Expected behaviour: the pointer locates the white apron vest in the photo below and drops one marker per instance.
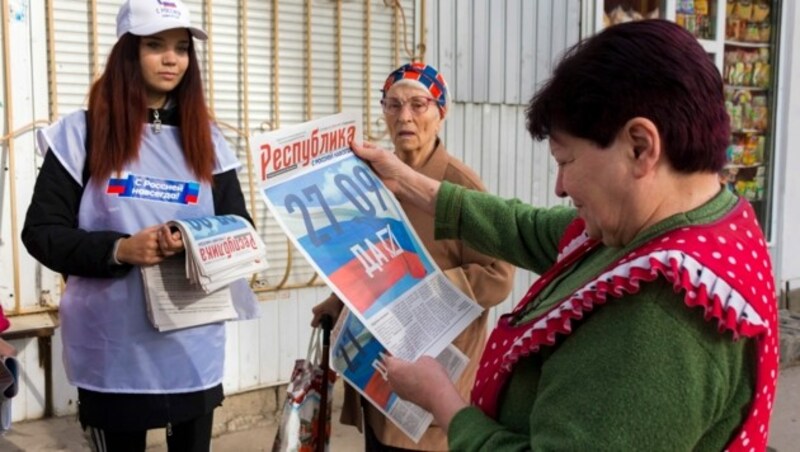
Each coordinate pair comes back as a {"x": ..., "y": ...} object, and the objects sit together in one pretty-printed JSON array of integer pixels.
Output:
[{"x": 109, "y": 344}]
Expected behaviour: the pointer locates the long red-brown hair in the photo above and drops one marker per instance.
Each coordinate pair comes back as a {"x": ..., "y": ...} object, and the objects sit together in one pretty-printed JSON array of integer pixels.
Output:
[{"x": 118, "y": 113}]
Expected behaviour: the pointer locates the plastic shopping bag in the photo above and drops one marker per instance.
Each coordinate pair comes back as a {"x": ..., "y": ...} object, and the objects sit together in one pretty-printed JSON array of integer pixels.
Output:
[{"x": 301, "y": 427}]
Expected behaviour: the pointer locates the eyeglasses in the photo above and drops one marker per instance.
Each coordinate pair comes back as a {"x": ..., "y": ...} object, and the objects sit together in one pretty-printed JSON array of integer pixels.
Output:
[{"x": 418, "y": 104}]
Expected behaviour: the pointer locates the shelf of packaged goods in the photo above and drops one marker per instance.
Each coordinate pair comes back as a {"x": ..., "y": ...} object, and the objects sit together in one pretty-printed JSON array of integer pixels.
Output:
[
  {"x": 748, "y": 132},
  {"x": 746, "y": 88},
  {"x": 741, "y": 166},
  {"x": 750, "y": 194},
  {"x": 750, "y": 197},
  {"x": 750, "y": 45}
]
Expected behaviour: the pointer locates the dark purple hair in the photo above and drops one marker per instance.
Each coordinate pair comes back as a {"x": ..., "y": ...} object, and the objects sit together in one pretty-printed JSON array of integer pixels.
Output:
[{"x": 653, "y": 69}]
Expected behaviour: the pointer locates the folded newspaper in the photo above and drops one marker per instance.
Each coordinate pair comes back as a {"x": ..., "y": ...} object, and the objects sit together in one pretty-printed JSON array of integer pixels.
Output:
[
  {"x": 358, "y": 357},
  {"x": 192, "y": 288}
]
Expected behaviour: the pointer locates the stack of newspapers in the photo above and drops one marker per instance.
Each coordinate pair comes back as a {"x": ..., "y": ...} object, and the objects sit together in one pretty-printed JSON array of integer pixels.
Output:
[{"x": 193, "y": 290}]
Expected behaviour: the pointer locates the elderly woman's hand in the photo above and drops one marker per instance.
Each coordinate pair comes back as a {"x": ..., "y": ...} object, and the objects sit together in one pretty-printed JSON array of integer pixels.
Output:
[
  {"x": 331, "y": 306},
  {"x": 426, "y": 384},
  {"x": 400, "y": 178}
]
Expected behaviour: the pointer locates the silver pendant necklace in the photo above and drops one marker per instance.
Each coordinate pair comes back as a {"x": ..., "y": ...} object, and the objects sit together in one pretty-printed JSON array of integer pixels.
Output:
[{"x": 156, "y": 122}]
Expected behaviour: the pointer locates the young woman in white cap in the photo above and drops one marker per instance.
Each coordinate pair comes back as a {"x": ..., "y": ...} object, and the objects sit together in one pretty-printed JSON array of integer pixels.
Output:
[{"x": 147, "y": 126}]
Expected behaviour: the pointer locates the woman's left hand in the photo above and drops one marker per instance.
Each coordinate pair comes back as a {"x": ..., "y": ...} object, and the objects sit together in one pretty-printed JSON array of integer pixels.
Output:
[
  {"x": 426, "y": 384},
  {"x": 169, "y": 243}
]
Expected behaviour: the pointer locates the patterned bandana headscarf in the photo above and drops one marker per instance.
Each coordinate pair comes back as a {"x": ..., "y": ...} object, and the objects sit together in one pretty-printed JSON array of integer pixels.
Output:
[{"x": 424, "y": 76}]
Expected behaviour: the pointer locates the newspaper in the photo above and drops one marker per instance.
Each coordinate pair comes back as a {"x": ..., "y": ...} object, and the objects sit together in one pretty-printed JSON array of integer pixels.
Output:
[
  {"x": 352, "y": 230},
  {"x": 356, "y": 356},
  {"x": 192, "y": 288},
  {"x": 220, "y": 250}
]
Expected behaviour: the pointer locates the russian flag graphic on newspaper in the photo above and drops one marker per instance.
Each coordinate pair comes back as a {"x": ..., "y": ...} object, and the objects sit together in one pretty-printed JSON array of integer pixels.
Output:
[{"x": 154, "y": 189}]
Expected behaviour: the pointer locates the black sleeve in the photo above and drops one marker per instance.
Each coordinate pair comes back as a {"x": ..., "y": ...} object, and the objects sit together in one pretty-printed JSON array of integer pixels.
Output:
[
  {"x": 228, "y": 197},
  {"x": 51, "y": 232}
]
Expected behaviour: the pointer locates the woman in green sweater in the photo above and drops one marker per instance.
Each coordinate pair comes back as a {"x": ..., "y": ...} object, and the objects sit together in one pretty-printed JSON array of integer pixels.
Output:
[{"x": 653, "y": 324}]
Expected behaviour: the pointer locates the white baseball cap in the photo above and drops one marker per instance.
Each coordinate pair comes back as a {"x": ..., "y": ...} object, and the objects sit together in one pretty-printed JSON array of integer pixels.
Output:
[{"x": 148, "y": 17}]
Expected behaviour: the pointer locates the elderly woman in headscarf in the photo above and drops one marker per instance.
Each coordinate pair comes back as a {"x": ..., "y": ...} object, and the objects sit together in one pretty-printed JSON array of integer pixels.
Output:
[{"x": 415, "y": 101}]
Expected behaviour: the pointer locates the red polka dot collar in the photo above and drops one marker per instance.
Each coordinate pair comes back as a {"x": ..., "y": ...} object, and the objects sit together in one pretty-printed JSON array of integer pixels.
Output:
[{"x": 722, "y": 267}]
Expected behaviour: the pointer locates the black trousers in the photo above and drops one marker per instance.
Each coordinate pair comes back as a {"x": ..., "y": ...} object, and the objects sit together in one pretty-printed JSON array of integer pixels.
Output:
[
  {"x": 193, "y": 435},
  {"x": 119, "y": 421}
]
